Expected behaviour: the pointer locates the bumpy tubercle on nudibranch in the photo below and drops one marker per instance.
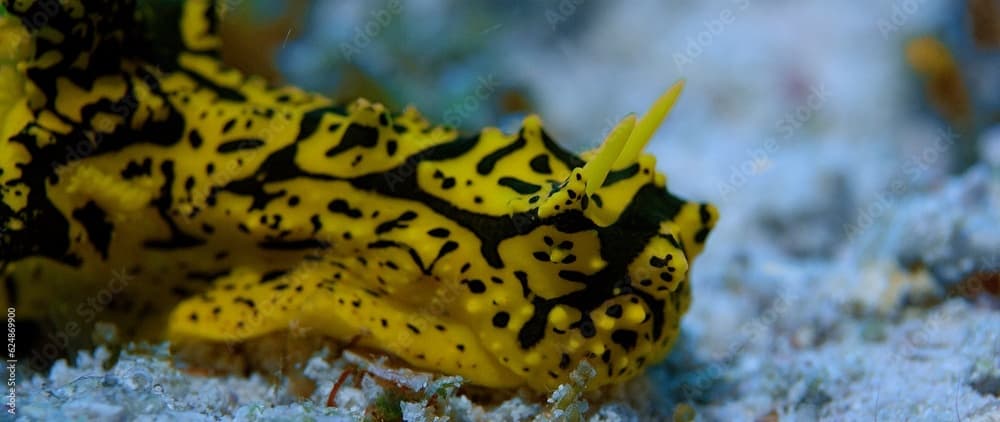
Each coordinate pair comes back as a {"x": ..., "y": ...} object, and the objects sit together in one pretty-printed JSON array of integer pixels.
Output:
[{"x": 235, "y": 210}]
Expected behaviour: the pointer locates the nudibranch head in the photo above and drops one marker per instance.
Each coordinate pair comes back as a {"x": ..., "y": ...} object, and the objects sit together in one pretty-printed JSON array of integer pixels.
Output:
[{"x": 604, "y": 260}]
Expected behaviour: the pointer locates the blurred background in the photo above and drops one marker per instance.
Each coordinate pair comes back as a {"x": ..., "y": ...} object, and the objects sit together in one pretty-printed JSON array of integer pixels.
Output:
[{"x": 852, "y": 147}]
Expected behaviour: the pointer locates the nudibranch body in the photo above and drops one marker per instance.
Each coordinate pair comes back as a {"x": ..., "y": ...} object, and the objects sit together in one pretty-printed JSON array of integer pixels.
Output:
[{"x": 237, "y": 210}]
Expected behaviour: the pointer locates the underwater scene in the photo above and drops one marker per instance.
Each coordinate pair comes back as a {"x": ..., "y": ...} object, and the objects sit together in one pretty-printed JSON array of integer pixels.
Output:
[{"x": 443, "y": 210}]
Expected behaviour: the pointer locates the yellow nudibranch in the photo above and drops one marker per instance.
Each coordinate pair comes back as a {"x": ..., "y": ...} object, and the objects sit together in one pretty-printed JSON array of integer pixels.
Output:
[{"x": 236, "y": 210}]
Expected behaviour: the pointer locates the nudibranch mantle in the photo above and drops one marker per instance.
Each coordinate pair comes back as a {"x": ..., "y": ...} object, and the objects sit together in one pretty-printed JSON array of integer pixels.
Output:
[{"x": 238, "y": 210}]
